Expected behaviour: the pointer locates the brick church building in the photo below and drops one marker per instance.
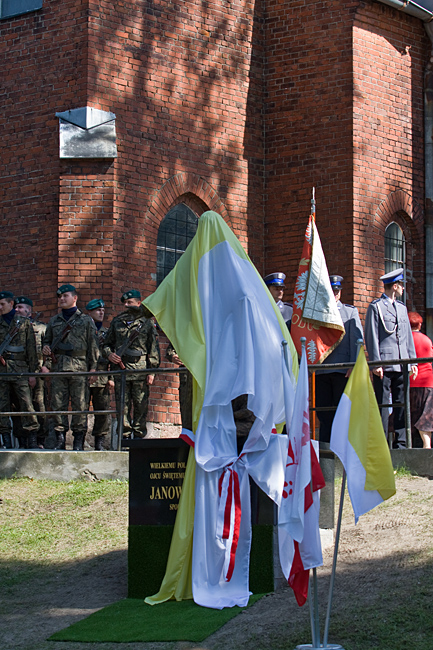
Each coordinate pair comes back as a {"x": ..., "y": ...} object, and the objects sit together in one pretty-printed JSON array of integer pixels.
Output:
[{"x": 121, "y": 123}]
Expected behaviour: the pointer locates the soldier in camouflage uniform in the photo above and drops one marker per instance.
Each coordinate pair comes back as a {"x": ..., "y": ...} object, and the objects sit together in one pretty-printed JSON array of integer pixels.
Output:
[
  {"x": 19, "y": 356},
  {"x": 77, "y": 351},
  {"x": 143, "y": 352},
  {"x": 24, "y": 306},
  {"x": 100, "y": 393}
]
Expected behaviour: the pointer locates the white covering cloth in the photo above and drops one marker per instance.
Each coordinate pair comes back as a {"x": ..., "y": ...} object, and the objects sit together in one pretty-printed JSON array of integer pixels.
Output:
[{"x": 244, "y": 351}]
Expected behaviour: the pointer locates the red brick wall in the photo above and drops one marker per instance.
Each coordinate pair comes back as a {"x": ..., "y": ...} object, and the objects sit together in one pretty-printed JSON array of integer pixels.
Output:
[
  {"x": 390, "y": 51},
  {"x": 86, "y": 230},
  {"x": 308, "y": 126},
  {"x": 344, "y": 113},
  {"x": 189, "y": 126},
  {"x": 237, "y": 106},
  {"x": 43, "y": 58},
  {"x": 177, "y": 77}
]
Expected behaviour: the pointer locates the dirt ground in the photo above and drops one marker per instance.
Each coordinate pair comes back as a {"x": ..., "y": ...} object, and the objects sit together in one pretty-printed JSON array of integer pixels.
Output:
[{"x": 390, "y": 547}]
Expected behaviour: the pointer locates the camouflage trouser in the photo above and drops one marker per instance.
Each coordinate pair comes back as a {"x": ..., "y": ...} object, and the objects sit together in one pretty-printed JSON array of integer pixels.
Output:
[
  {"x": 136, "y": 406},
  {"x": 19, "y": 393},
  {"x": 74, "y": 389},
  {"x": 101, "y": 400},
  {"x": 38, "y": 399}
]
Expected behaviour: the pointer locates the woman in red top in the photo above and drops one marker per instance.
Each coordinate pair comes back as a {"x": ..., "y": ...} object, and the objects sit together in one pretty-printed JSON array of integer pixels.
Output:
[{"x": 421, "y": 388}]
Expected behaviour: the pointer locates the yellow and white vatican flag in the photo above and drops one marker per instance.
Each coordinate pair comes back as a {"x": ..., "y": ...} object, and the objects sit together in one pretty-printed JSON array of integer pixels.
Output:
[
  {"x": 358, "y": 440},
  {"x": 228, "y": 331}
]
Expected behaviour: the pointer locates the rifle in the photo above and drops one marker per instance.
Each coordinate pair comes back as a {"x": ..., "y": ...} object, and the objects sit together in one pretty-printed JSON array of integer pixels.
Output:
[
  {"x": 59, "y": 338},
  {"x": 8, "y": 338},
  {"x": 131, "y": 338}
]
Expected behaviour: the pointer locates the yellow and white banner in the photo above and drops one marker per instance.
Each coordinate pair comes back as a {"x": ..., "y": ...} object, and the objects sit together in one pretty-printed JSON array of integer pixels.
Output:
[{"x": 358, "y": 439}]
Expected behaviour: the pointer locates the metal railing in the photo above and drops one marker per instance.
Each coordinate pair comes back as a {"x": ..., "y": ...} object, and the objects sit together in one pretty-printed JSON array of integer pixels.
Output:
[
  {"x": 385, "y": 363},
  {"x": 6, "y": 377},
  {"x": 123, "y": 374}
]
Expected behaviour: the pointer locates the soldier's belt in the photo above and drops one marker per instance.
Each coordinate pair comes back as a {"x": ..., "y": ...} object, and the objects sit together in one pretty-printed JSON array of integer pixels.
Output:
[
  {"x": 75, "y": 354},
  {"x": 14, "y": 356},
  {"x": 64, "y": 346}
]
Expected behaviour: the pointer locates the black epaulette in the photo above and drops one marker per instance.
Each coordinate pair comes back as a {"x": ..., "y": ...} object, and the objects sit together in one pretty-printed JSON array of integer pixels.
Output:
[{"x": 351, "y": 306}]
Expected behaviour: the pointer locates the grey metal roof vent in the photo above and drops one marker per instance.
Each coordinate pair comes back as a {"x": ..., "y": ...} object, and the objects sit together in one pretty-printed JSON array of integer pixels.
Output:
[{"x": 87, "y": 133}]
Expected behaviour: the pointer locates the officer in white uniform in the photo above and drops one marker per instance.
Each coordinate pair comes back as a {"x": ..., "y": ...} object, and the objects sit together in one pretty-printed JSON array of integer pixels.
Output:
[
  {"x": 330, "y": 384},
  {"x": 388, "y": 335}
]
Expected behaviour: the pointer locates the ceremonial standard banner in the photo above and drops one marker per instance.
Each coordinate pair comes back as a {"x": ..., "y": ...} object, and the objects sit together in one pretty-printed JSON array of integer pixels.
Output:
[{"x": 315, "y": 312}]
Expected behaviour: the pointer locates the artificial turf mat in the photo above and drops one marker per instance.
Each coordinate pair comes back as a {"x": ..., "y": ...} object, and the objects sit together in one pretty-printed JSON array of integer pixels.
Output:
[{"x": 132, "y": 620}]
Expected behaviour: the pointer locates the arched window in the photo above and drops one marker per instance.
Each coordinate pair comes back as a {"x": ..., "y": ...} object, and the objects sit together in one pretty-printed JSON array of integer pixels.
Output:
[
  {"x": 395, "y": 250},
  {"x": 175, "y": 232}
]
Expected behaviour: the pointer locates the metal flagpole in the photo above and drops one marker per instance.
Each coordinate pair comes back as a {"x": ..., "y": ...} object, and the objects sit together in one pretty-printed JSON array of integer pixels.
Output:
[
  {"x": 316, "y": 606},
  {"x": 359, "y": 343},
  {"x": 313, "y": 602},
  {"x": 334, "y": 566},
  {"x": 312, "y": 621}
]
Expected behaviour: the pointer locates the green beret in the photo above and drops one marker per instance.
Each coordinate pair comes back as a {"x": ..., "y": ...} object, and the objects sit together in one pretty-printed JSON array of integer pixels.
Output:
[
  {"x": 7, "y": 295},
  {"x": 133, "y": 293},
  {"x": 94, "y": 304},
  {"x": 23, "y": 300},
  {"x": 65, "y": 288}
]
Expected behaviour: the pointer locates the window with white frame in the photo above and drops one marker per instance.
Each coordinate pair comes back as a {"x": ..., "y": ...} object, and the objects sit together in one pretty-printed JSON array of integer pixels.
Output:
[{"x": 395, "y": 249}]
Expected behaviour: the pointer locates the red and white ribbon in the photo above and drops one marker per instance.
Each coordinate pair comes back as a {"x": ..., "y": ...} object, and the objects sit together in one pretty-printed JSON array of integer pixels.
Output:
[{"x": 229, "y": 516}]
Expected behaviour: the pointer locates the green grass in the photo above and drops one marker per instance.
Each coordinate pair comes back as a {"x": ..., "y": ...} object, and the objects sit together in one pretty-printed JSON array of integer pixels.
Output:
[
  {"x": 54, "y": 521},
  {"x": 53, "y": 534},
  {"x": 378, "y": 628},
  {"x": 404, "y": 472}
]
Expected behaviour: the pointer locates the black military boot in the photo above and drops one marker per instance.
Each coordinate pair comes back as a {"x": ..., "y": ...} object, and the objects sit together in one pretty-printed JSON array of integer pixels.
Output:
[
  {"x": 7, "y": 440},
  {"x": 99, "y": 443},
  {"x": 32, "y": 441},
  {"x": 78, "y": 441},
  {"x": 60, "y": 441}
]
